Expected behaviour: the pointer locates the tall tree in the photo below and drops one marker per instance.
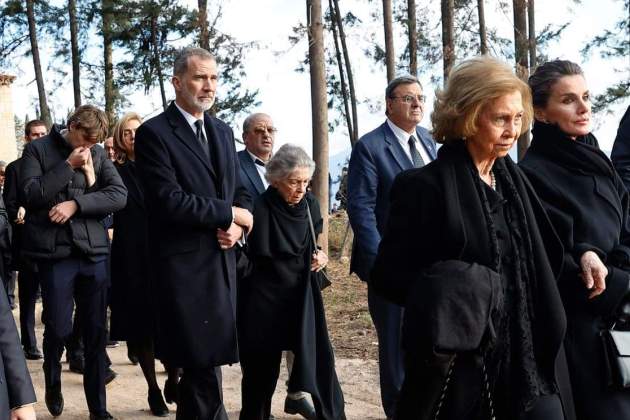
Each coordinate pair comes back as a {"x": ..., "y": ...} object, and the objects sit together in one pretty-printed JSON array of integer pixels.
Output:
[
  {"x": 353, "y": 128},
  {"x": 531, "y": 20},
  {"x": 448, "y": 42},
  {"x": 204, "y": 34},
  {"x": 390, "y": 56},
  {"x": 319, "y": 109},
  {"x": 613, "y": 43},
  {"x": 76, "y": 57},
  {"x": 39, "y": 78},
  {"x": 521, "y": 52},
  {"x": 107, "y": 16},
  {"x": 413, "y": 37},
  {"x": 483, "y": 36},
  {"x": 147, "y": 32}
]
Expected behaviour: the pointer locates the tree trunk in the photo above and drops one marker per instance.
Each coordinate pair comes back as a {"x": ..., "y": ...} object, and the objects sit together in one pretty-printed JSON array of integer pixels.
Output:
[
  {"x": 39, "y": 78},
  {"x": 204, "y": 36},
  {"x": 389, "y": 40},
  {"x": 110, "y": 93},
  {"x": 76, "y": 58},
  {"x": 156, "y": 58},
  {"x": 448, "y": 48},
  {"x": 354, "y": 135},
  {"x": 532, "y": 35},
  {"x": 319, "y": 105},
  {"x": 342, "y": 74},
  {"x": 413, "y": 37},
  {"x": 521, "y": 52},
  {"x": 483, "y": 37}
]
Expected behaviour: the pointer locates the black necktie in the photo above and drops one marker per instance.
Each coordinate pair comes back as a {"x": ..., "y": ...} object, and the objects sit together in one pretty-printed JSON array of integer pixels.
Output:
[
  {"x": 201, "y": 138},
  {"x": 415, "y": 155},
  {"x": 259, "y": 162}
]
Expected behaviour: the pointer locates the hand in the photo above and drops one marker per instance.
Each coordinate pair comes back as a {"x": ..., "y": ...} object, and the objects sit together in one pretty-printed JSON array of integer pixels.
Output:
[
  {"x": 319, "y": 260},
  {"x": 594, "y": 273},
  {"x": 227, "y": 238},
  {"x": 243, "y": 218},
  {"x": 78, "y": 157},
  {"x": 88, "y": 170},
  {"x": 24, "y": 413},
  {"x": 62, "y": 212},
  {"x": 21, "y": 213}
]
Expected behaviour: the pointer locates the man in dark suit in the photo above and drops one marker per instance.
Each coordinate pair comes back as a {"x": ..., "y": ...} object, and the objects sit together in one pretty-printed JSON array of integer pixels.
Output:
[
  {"x": 68, "y": 187},
  {"x": 27, "y": 278},
  {"x": 258, "y": 136},
  {"x": 396, "y": 145},
  {"x": 197, "y": 211}
]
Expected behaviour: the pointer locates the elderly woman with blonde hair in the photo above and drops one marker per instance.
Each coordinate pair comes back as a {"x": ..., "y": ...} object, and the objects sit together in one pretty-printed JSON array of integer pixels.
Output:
[
  {"x": 469, "y": 252},
  {"x": 280, "y": 303}
]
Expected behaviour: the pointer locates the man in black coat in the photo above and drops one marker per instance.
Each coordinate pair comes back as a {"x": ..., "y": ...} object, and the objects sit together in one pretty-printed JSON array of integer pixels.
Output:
[
  {"x": 27, "y": 278},
  {"x": 68, "y": 187},
  {"x": 197, "y": 211}
]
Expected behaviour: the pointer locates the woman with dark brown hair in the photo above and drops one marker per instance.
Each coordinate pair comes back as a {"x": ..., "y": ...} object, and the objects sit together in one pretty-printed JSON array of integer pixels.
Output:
[{"x": 588, "y": 206}]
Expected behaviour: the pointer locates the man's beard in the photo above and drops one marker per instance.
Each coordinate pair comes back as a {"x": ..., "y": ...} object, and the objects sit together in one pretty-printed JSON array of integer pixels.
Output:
[{"x": 193, "y": 101}]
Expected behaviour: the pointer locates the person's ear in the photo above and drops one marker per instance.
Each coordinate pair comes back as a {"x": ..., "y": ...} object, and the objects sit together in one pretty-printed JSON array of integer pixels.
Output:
[
  {"x": 177, "y": 84},
  {"x": 541, "y": 115}
]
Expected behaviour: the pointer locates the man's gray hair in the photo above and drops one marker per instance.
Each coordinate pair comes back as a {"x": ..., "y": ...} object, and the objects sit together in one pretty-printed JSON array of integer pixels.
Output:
[
  {"x": 405, "y": 79},
  {"x": 286, "y": 160},
  {"x": 250, "y": 120},
  {"x": 180, "y": 66}
]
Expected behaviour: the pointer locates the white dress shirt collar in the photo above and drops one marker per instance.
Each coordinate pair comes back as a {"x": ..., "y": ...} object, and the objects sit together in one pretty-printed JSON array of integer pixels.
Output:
[
  {"x": 403, "y": 138},
  {"x": 191, "y": 120}
]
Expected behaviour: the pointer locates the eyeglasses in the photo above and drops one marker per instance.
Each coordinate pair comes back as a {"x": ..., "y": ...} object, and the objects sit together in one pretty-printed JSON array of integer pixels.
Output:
[
  {"x": 410, "y": 98},
  {"x": 263, "y": 130}
]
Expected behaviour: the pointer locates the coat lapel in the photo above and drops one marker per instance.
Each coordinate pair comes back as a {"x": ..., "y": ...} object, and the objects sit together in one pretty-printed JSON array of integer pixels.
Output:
[
  {"x": 396, "y": 149},
  {"x": 184, "y": 133},
  {"x": 249, "y": 167},
  {"x": 218, "y": 154}
]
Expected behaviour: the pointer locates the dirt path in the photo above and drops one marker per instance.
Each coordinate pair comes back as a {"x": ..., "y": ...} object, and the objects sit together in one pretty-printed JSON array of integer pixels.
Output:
[{"x": 127, "y": 395}]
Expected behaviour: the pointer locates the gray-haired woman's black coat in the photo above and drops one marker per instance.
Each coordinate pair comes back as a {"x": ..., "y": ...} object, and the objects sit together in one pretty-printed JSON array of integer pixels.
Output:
[
  {"x": 436, "y": 216},
  {"x": 588, "y": 207}
]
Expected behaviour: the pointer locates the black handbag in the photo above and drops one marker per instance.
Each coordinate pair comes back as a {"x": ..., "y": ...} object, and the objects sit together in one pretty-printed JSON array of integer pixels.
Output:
[
  {"x": 616, "y": 344},
  {"x": 322, "y": 278}
]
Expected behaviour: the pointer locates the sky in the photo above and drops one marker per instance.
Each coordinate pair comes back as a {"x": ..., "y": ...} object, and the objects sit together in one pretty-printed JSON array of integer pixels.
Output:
[{"x": 285, "y": 93}]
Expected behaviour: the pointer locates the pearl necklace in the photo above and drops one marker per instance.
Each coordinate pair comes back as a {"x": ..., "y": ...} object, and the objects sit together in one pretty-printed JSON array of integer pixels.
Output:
[{"x": 493, "y": 181}]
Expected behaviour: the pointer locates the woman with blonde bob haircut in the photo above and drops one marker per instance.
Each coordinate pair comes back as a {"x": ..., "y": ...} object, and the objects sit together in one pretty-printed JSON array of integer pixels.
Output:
[
  {"x": 469, "y": 253},
  {"x": 133, "y": 311}
]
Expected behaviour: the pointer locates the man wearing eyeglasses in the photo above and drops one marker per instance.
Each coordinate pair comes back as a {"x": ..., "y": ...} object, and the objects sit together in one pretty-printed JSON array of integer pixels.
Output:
[
  {"x": 258, "y": 136},
  {"x": 396, "y": 145}
]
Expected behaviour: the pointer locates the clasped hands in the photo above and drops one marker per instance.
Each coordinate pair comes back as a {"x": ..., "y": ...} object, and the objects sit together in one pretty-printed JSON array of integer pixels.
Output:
[{"x": 243, "y": 222}]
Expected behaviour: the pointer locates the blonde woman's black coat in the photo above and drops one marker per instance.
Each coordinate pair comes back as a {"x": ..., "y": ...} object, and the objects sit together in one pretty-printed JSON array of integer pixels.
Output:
[{"x": 435, "y": 217}]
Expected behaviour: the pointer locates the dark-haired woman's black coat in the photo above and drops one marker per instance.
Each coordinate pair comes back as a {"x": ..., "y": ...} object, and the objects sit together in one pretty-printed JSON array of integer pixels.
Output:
[
  {"x": 131, "y": 292},
  {"x": 588, "y": 207},
  {"x": 435, "y": 217}
]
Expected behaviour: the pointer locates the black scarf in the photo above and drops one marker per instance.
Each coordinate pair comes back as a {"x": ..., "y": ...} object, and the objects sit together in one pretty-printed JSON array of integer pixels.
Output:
[
  {"x": 526, "y": 380},
  {"x": 581, "y": 155},
  {"x": 281, "y": 229}
]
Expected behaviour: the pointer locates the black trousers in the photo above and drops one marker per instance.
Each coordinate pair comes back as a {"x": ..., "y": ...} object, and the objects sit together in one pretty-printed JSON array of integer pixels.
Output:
[
  {"x": 28, "y": 283},
  {"x": 260, "y": 375},
  {"x": 62, "y": 281},
  {"x": 200, "y": 395},
  {"x": 387, "y": 318}
]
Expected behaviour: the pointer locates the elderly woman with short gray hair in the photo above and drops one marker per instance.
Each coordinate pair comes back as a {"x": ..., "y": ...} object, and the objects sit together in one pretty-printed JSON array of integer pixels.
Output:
[{"x": 280, "y": 303}]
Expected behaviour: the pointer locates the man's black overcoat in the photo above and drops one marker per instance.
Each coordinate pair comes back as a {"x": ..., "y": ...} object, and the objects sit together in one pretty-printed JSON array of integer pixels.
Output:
[{"x": 188, "y": 197}]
